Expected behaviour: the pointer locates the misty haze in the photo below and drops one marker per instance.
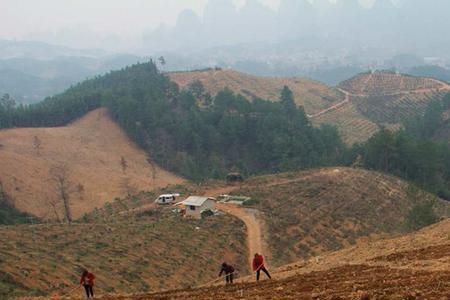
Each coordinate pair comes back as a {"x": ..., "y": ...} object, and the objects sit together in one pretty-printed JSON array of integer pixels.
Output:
[{"x": 224, "y": 149}]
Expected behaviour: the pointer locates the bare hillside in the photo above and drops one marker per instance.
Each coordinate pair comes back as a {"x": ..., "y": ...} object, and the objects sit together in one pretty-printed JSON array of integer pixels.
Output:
[
  {"x": 312, "y": 95},
  {"x": 93, "y": 155},
  {"x": 314, "y": 212},
  {"x": 414, "y": 266},
  {"x": 151, "y": 252}
]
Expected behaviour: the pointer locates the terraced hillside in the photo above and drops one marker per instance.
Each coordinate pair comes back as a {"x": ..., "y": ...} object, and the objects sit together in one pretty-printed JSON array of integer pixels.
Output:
[
  {"x": 414, "y": 266},
  {"x": 312, "y": 95},
  {"x": 314, "y": 212},
  {"x": 358, "y": 106},
  {"x": 151, "y": 252},
  {"x": 381, "y": 99},
  {"x": 93, "y": 156},
  {"x": 389, "y": 98}
]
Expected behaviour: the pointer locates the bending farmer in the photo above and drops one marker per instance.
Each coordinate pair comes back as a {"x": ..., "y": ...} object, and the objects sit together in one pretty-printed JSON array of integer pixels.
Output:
[{"x": 228, "y": 270}]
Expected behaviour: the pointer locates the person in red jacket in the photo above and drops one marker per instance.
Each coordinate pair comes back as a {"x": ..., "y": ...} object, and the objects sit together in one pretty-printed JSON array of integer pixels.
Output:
[
  {"x": 258, "y": 266},
  {"x": 87, "y": 280}
]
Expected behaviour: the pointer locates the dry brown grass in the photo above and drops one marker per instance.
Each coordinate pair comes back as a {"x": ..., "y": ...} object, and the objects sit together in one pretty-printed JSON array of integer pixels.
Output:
[
  {"x": 414, "y": 266},
  {"x": 91, "y": 148},
  {"x": 312, "y": 95},
  {"x": 314, "y": 212},
  {"x": 154, "y": 252}
]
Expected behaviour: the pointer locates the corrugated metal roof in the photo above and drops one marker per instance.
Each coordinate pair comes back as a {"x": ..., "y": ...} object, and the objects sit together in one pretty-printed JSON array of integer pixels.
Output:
[{"x": 195, "y": 200}]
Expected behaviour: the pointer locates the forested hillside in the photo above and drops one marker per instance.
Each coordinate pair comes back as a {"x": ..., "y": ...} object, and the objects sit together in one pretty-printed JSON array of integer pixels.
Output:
[
  {"x": 188, "y": 132},
  {"x": 420, "y": 152},
  {"x": 201, "y": 136}
]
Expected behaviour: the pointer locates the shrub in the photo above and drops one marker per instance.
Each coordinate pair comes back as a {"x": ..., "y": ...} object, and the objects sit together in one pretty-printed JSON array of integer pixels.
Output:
[{"x": 421, "y": 215}]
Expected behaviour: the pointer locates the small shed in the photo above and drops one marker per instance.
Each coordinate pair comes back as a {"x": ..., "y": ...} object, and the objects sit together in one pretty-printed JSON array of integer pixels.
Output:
[
  {"x": 195, "y": 205},
  {"x": 166, "y": 198},
  {"x": 234, "y": 178}
]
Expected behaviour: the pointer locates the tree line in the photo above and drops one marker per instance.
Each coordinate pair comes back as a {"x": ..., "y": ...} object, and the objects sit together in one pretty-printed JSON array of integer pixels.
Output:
[
  {"x": 190, "y": 132},
  {"x": 201, "y": 136}
]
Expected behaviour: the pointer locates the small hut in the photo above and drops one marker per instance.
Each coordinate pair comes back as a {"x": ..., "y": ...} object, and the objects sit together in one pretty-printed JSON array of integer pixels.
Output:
[{"x": 195, "y": 205}]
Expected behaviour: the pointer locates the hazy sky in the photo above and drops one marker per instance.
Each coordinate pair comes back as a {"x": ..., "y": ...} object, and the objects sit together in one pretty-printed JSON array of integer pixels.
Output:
[{"x": 26, "y": 18}]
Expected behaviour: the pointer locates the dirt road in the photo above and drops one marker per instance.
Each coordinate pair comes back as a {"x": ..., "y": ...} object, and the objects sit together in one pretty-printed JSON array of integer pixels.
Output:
[
  {"x": 253, "y": 221},
  {"x": 333, "y": 107}
]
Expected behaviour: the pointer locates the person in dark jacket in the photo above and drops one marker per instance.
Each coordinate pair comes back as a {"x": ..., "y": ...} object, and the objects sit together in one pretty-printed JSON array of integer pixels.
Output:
[
  {"x": 87, "y": 280},
  {"x": 258, "y": 266},
  {"x": 229, "y": 271}
]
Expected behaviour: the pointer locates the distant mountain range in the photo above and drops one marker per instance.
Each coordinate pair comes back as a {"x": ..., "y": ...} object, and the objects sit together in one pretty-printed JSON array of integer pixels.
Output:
[
  {"x": 31, "y": 71},
  {"x": 415, "y": 24}
]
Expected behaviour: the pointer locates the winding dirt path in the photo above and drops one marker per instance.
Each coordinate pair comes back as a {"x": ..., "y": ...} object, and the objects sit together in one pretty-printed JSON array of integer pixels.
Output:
[
  {"x": 253, "y": 221},
  {"x": 251, "y": 217},
  {"x": 333, "y": 107}
]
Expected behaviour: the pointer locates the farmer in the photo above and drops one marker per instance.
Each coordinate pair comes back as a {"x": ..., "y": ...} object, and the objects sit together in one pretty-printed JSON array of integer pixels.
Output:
[
  {"x": 258, "y": 266},
  {"x": 87, "y": 280},
  {"x": 228, "y": 270}
]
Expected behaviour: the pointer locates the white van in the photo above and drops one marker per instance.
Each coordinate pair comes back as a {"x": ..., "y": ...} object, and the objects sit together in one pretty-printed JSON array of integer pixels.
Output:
[{"x": 166, "y": 198}]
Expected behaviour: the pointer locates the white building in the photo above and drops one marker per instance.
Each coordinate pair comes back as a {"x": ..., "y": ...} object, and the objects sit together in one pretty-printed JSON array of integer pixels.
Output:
[
  {"x": 195, "y": 205},
  {"x": 166, "y": 198}
]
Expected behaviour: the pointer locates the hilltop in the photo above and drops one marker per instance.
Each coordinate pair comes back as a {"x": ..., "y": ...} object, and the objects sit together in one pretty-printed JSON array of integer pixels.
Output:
[
  {"x": 99, "y": 161},
  {"x": 312, "y": 95},
  {"x": 382, "y": 99},
  {"x": 358, "y": 106}
]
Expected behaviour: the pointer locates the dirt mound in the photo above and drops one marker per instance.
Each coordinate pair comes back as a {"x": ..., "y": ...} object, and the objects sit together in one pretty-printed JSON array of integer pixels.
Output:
[
  {"x": 312, "y": 95},
  {"x": 94, "y": 155}
]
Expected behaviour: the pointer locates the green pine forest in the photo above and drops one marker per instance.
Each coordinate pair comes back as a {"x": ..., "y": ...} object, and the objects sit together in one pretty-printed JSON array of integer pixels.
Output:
[{"x": 200, "y": 137}]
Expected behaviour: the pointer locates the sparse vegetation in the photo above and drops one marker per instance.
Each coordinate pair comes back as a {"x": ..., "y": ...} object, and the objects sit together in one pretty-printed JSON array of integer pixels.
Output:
[
  {"x": 152, "y": 252},
  {"x": 313, "y": 212}
]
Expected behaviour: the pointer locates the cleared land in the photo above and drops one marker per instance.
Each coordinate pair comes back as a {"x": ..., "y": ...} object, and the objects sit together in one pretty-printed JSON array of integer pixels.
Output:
[
  {"x": 101, "y": 164},
  {"x": 305, "y": 215},
  {"x": 151, "y": 252},
  {"x": 315, "y": 212},
  {"x": 410, "y": 267}
]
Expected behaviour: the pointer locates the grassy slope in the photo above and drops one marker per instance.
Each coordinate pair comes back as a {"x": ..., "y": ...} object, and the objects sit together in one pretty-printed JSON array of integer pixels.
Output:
[
  {"x": 313, "y": 212},
  {"x": 150, "y": 253},
  {"x": 91, "y": 148}
]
